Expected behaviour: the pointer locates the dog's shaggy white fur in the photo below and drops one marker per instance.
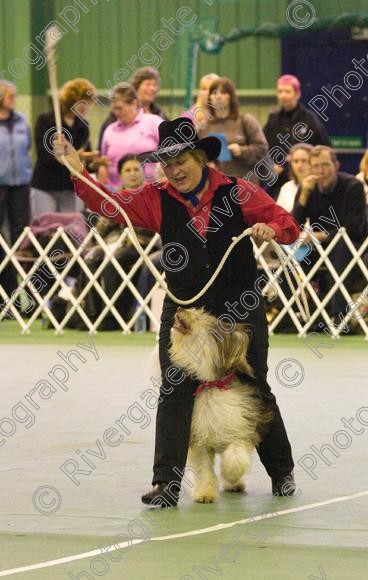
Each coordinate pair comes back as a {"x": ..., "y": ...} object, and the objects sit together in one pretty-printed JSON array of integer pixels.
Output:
[{"x": 224, "y": 421}]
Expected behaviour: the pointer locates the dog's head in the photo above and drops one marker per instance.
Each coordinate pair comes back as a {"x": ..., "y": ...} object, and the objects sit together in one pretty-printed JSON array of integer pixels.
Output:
[{"x": 206, "y": 347}]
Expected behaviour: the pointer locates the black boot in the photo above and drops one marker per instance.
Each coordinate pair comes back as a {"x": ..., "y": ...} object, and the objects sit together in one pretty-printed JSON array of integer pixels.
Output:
[
  {"x": 283, "y": 486},
  {"x": 161, "y": 496}
]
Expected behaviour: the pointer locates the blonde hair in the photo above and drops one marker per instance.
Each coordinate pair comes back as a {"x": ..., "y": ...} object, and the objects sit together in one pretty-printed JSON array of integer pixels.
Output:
[
  {"x": 4, "y": 84},
  {"x": 208, "y": 77},
  {"x": 297, "y": 147},
  {"x": 74, "y": 91},
  {"x": 364, "y": 163},
  {"x": 199, "y": 155}
]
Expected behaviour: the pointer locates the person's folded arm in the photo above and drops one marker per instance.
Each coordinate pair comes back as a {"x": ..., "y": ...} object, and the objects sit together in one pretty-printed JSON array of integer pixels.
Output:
[{"x": 302, "y": 202}]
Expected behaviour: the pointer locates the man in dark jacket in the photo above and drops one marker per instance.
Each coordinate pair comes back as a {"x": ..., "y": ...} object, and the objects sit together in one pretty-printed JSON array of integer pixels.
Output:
[
  {"x": 332, "y": 200},
  {"x": 292, "y": 124}
]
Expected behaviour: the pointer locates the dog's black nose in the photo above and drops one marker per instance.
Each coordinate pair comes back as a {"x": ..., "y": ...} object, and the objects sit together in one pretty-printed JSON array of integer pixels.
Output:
[{"x": 180, "y": 309}]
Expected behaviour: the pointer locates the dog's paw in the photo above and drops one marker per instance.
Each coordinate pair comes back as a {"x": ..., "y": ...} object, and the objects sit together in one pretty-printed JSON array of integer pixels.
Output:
[
  {"x": 205, "y": 497},
  {"x": 234, "y": 488}
]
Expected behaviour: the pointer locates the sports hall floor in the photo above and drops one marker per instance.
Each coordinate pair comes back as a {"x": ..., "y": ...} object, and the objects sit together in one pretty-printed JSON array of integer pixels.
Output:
[{"x": 322, "y": 533}]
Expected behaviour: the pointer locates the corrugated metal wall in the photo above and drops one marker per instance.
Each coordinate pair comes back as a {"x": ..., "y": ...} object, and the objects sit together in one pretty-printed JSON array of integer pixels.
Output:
[
  {"x": 114, "y": 31},
  {"x": 101, "y": 37},
  {"x": 14, "y": 36}
]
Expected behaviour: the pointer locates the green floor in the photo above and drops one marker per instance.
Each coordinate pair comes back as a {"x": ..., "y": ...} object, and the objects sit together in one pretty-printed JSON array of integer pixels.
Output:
[
  {"x": 184, "y": 558},
  {"x": 10, "y": 333},
  {"x": 328, "y": 541}
]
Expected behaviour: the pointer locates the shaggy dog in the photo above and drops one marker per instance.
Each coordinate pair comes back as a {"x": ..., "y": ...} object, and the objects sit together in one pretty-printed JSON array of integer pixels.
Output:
[{"x": 227, "y": 413}]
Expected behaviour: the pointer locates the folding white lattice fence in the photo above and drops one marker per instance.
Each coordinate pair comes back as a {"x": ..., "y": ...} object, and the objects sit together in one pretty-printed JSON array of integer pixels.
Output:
[{"x": 26, "y": 304}]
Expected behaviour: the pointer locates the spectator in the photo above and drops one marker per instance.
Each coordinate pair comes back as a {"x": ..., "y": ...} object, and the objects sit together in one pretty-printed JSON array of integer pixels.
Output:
[
  {"x": 339, "y": 197},
  {"x": 245, "y": 139},
  {"x": 198, "y": 112},
  {"x": 133, "y": 132},
  {"x": 15, "y": 163},
  {"x": 283, "y": 121},
  {"x": 363, "y": 174},
  {"x": 51, "y": 190},
  {"x": 299, "y": 169},
  {"x": 15, "y": 173},
  {"x": 146, "y": 82}
]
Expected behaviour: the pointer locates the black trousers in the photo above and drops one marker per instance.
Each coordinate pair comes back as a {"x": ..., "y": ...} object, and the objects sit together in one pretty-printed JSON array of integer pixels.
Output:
[
  {"x": 14, "y": 203},
  {"x": 174, "y": 412}
]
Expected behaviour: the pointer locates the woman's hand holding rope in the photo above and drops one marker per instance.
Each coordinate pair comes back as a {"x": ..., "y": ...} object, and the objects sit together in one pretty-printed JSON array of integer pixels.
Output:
[{"x": 63, "y": 150}]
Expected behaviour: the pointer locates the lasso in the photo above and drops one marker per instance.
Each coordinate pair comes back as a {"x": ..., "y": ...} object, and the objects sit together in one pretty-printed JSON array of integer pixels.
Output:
[{"x": 50, "y": 53}]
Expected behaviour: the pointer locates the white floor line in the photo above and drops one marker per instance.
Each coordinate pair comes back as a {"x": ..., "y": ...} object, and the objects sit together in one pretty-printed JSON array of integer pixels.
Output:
[{"x": 216, "y": 528}]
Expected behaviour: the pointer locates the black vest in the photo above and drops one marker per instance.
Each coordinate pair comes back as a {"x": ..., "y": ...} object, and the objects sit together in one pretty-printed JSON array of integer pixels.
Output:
[{"x": 192, "y": 260}]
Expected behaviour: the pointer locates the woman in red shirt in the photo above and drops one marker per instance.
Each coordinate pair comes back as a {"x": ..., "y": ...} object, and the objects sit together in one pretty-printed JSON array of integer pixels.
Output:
[{"x": 197, "y": 212}]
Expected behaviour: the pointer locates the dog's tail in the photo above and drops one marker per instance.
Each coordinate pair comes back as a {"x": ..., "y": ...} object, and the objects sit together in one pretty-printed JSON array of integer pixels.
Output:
[{"x": 235, "y": 462}]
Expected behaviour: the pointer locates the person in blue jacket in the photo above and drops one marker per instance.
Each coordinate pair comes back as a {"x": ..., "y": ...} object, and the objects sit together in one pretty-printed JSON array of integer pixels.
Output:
[
  {"x": 15, "y": 171},
  {"x": 15, "y": 162}
]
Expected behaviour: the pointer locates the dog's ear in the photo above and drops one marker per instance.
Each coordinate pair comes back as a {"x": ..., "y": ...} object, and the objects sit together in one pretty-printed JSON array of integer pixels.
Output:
[{"x": 235, "y": 352}]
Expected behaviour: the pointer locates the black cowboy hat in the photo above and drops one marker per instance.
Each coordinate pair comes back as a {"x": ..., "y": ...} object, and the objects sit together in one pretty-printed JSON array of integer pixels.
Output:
[{"x": 178, "y": 136}]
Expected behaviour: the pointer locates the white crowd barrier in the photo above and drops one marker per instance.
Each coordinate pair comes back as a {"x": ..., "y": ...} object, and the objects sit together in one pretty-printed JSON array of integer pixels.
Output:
[{"x": 26, "y": 304}]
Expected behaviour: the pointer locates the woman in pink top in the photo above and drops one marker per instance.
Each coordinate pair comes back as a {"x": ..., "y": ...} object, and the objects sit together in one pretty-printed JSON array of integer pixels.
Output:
[{"x": 134, "y": 132}]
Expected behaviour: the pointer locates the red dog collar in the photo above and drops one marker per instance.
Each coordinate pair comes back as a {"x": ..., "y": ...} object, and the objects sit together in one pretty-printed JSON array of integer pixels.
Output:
[{"x": 218, "y": 384}]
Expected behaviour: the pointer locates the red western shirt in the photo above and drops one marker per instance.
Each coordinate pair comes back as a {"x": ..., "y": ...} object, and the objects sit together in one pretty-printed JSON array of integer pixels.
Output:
[{"x": 144, "y": 207}]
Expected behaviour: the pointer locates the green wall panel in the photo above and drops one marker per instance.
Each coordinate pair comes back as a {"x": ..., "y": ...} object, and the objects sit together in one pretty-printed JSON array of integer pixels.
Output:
[
  {"x": 106, "y": 34},
  {"x": 15, "y": 35},
  {"x": 334, "y": 7},
  {"x": 111, "y": 33}
]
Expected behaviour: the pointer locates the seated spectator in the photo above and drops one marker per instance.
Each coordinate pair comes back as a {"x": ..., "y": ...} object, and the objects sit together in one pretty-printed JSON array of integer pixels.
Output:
[
  {"x": 125, "y": 253},
  {"x": 331, "y": 200},
  {"x": 15, "y": 174},
  {"x": 146, "y": 82},
  {"x": 299, "y": 169},
  {"x": 134, "y": 132},
  {"x": 244, "y": 136},
  {"x": 198, "y": 112},
  {"x": 282, "y": 122},
  {"x": 363, "y": 174},
  {"x": 51, "y": 187}
]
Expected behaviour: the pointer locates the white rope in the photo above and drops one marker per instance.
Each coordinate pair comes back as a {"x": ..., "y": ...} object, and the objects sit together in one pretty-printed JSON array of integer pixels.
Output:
[
  {"x": 146, "y": 259},
  {"x": 50, "y": 53}
]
